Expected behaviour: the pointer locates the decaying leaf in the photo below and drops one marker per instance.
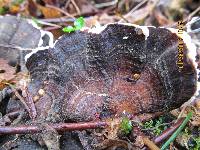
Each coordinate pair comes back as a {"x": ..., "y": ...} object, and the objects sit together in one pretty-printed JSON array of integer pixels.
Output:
[
  {"x": 7, "y": 72},
  {"x": 49, "y": 12}
]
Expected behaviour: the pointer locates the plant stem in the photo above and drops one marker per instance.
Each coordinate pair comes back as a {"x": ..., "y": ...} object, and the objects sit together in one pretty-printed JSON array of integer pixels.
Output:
[{"x": 172, "y": 138}]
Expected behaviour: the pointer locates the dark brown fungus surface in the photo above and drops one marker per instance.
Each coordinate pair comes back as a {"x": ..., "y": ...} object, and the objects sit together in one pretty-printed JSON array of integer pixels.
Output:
[{"x": 87, "y": 73}]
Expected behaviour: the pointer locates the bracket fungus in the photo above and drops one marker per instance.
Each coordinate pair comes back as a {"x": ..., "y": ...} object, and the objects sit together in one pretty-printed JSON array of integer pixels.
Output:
[{"x": 111, "y": 70}]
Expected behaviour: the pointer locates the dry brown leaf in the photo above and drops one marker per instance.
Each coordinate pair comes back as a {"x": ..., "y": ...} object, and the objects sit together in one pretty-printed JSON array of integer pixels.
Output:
[
  {"x": 162, "y": 20},
  {"x": 51, "y": 2},
  {"x": 113, "y": 128},
  {"x": 6, "y": 71},
  {"x": 49, "y": 12},
  {"x": 4, "y": 3},
  {"x": 14, "y": 9}
]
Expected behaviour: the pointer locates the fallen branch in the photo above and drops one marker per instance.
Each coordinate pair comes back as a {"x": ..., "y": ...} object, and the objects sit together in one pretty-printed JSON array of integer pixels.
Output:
[{"x": 60, "y": 127}]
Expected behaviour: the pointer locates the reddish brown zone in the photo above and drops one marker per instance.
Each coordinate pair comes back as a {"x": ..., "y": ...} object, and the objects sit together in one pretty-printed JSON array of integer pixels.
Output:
[{"x": 131, "y": 97}]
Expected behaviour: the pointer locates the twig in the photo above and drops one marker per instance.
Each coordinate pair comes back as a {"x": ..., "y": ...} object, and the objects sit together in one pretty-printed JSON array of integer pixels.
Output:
[
  {"x": 60, "y": 10},
  {"x": 31, "y": 106},
  {"x": 67, "y": 3},
  {"x": 111, "y": 3},
  {"x": 60, "y": 127},
  {"x": 48, "y": 24},
  {"x": 10, "y": 118},
  {"x": 182, "y": 111},
  {"x": 13, "y": 115},
  {"x": 32, "y": 110},
  {"x": 56, "y": 20},
  {"x": 168, "y": 132},
  {"x": 51, "y": 28},
  {"x": 136, "y": 7},
  {"x": 68, "y": 19},
  {"x": 193, "y": 13},
  {"x": 150, "y": 144},
  {"x": 76, "y": 7}
]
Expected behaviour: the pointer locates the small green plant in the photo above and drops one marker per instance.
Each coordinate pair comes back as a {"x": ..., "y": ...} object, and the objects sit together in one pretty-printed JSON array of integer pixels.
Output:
[
  {"x": 156, "y": 126},
  {"x": 193, "y": 142},
  {"x": 197, "y": 143},
  {"x": 78, "y": 24},
  {"x": 126, "y": 125}
]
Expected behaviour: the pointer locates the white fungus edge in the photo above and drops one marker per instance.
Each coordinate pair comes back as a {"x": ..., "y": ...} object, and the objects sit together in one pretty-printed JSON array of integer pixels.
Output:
[
  {"x": 191, "y": 54},
  {"x": 42, "y": 33},
  {"x": 99, "y": 29}
]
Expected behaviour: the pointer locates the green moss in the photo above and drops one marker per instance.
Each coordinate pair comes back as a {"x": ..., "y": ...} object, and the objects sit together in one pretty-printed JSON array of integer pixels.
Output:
[
  {"x": 156, "y": 126},
  {"x": 126, "y": 125}
]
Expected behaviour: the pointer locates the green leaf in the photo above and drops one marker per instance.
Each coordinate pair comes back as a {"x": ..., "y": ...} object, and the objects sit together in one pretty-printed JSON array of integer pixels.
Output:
[
  {"x": 79, "y": 23},
  {"x": 68, "y": 29},
  {"x": 126, "y": 125}
]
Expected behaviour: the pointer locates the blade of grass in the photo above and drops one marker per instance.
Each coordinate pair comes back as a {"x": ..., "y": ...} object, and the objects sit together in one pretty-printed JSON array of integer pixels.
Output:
[{"x": 172, "y": 138}]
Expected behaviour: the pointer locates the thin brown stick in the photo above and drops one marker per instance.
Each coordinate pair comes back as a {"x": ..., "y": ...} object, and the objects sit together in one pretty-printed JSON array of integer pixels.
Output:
[
  {"x": 51, "y": 28},
  {"x": 48, "y": 24},
  {"x": 168, "y": 132},
  {"x": 106, "y": 4},
  {"x": 136, "y": 7},
  {"x": 67, "y": 18},
  {"x": 30, "y": 104},
  {"x": 60, "y": 127},
  {"x": 193, "y": 13},
  {"x": 58, "y": 20},
  {"x": 67, "y": 4},
  {"x": 76, "y": 7},
  {"x": 150, "y": 144},
  {"x": 60, "y": 10}
]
